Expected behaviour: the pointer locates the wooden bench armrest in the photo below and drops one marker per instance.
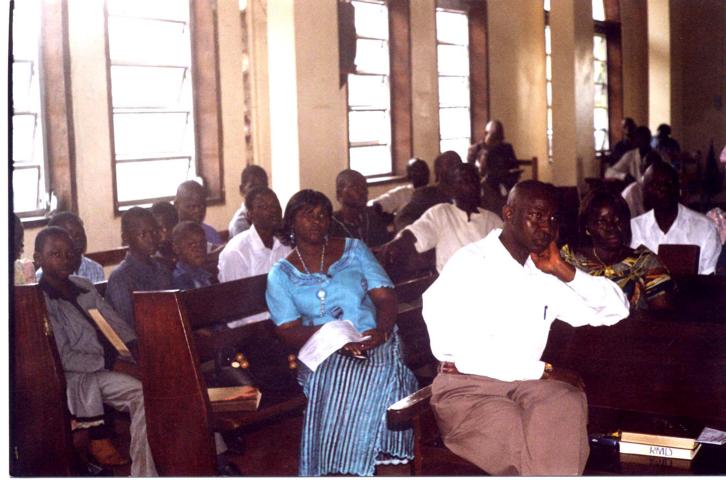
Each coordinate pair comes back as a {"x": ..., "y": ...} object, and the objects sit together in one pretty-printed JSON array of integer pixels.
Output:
[{"x": 401, "y": 413}]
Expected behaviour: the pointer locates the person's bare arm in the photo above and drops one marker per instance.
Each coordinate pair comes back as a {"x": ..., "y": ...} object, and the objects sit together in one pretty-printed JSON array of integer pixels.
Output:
[
  {"x": 397, "y": 250},
  {"x": 386, "y": 311}
]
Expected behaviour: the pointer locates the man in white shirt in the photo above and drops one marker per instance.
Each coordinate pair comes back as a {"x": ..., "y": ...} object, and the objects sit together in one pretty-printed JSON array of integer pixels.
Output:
[
  {"x": 633, "y": 193},
  {"x": 631, "y": 165},
  {"x": 445, "y": 227},
  {"x": 488, "y": 316},
  {"x": 255, "y": 250},
  {"x": 417, "y": 173},
  {"x": 672, "y": 223}
]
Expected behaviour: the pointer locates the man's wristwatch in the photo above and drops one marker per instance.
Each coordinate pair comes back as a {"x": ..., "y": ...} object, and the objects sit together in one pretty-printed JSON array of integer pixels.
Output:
[{"x": 547, "y": 370}]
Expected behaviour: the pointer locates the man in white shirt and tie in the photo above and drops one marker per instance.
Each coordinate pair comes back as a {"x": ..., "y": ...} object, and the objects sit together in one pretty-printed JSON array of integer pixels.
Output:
[{"x": 488, "y": 316}]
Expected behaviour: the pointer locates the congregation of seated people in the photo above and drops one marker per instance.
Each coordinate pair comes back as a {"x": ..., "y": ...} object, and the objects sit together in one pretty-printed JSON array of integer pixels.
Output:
[{"x": 327, "y": 265}]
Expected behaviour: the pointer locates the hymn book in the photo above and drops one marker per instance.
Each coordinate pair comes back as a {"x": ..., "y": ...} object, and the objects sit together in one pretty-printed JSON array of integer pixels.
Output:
[
  {"x": 110, "y": 334},
  {"x": 659, "y": 440},
  {"x": 235, "y": 399},
  {"x": 658, "y": 450}
]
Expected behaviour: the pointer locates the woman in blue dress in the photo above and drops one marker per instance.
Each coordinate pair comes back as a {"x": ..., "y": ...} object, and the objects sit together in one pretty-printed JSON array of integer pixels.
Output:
[{"x": 325, "y": 279}]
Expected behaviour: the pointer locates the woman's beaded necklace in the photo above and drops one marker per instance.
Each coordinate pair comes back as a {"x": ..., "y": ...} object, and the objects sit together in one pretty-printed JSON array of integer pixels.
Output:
[
  {"x": 322, "y": 259},
  {"x": 321, "y": 294}
]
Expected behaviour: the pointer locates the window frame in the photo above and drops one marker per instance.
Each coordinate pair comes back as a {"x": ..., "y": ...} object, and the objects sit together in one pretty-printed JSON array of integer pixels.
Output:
[
  {"x": 476, "y": 11},
  {"x": 611, "y": 29},
  {"x": 465, "y": 12},
  {"x": 390, "y": 109},
  {"x": 206, "y": 107},
  {"x": 56, "y": 113}
]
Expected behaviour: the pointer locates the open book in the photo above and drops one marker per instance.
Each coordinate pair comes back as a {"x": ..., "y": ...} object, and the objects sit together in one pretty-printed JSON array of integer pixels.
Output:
[{"x": 234, "y": 399}]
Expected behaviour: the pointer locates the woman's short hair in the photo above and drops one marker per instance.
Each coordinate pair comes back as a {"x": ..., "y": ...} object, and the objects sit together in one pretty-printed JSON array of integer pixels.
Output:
[
  {"x": 598, "y": 199},
  {"x": 302, "y": 200}
]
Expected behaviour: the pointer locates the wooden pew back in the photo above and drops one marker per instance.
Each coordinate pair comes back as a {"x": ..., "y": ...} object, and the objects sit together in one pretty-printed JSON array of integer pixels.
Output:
[
  {"x": 40, "y": 442},
  {"x": 174, "y": 334},
  {"x": 175, "y": 395}
]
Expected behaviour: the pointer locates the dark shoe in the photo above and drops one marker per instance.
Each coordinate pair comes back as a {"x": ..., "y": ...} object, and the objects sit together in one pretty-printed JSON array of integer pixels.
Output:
[
  {"x": 235, "y": 442},
  {"x": 226, "y": 468}
]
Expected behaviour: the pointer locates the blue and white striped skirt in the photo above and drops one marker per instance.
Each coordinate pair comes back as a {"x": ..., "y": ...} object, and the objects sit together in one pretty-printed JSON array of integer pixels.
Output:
[{"x": 344, "y": 429}]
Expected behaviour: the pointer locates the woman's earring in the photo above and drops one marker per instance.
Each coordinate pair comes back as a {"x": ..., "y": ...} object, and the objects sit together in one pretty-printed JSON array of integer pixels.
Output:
[
  {"x": 587, "y": 232},
  {"x": 292, "y": 237}
]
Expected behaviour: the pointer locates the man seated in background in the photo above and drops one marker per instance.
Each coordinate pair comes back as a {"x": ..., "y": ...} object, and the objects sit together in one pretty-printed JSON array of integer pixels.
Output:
[
  {"x": 664, "y": 144},
  {"x": 497, "y": 165},
  {"x": 140, "y": 271},
  {"x": 72, "y": 223},
  {"x": 426, "y": 197},
  {"x": 488, "y": 316},
  {"x": 672, "y": 223},
  {"x": 88, "y": 357},
  {"x": 253, "y": 176},
  {"x": 633, "y": 193},
  {"x": 167, "y": 218},
  {"x": 626, "y": 143},
  {"x": 190, "y": 249},
  {"x": 191, "y": 205},
  {"x": 355, "y": 219},
  {"x": 391, "y": 202},
  {"x": 254, "y": 251},
  {"x": 631, "y": 165},
  {"x": 445, "y": 227}
]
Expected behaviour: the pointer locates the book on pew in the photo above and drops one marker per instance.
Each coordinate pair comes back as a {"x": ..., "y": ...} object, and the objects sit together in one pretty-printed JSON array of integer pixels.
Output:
[
  {"x": 659, "y": 440},
  {"x": 650, "y": 461},
  {"x": 110, "y": 334},
  {"x": 658, "y": 450},
  {"x": 235, "y": 399}
]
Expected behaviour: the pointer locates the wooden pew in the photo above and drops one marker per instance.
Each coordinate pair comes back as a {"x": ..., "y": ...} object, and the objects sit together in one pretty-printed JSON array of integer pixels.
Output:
[
  {"x": 649, "y": 370},
  {"x": 180, "y": 419},
  {"x": 174, "y": 334},
  {"x": 40, "y": 435}
]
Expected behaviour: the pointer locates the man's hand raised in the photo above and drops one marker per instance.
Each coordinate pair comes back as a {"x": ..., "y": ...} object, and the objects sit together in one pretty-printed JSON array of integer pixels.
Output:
[{"x": 550, "y": 261}]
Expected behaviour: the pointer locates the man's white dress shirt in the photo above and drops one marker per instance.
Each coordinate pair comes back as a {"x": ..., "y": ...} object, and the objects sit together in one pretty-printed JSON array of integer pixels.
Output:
[
  {"x": 629, "y": 163},
  {"x": 395, "y": 199},
  {"x": 633, "y": 195},
  {"x": 689, "y": 228},
  {"x": 491, "y": 316},
  {"x": 446, "y": 228},
  {"x": 246, "y": 256}
]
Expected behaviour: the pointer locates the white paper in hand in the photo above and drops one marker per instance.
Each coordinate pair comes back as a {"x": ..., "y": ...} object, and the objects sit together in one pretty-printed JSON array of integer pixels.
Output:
[{"x": 328, "y": 340}]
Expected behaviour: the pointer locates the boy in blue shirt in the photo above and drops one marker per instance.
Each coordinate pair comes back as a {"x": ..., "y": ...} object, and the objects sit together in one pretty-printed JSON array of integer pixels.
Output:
[
  {"x": 140, "y": 271},
  {"x": 190, "y": 248}
]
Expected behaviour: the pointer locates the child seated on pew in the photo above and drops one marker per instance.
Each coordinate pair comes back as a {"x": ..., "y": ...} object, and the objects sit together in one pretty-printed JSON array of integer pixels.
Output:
[
  {"x": 72, "y": 223},
  {"x": 167, "y": 218},
  {"x": 140, "y": 271},
  {"x": 88, "y": 358},
  {"x": 190, "y": 247}
]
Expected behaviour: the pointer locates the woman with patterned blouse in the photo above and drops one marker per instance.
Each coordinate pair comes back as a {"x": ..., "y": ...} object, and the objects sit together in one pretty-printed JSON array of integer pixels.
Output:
[{"x": 603, "y": 250}]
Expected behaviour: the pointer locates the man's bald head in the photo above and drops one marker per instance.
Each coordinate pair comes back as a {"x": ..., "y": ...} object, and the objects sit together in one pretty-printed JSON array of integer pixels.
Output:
[
  {"x": 191, "y": 201},
  {"x": 531, "y": 189},
  {"x": 530, "y": 216},
  {"x": 445, "y": 165}
]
